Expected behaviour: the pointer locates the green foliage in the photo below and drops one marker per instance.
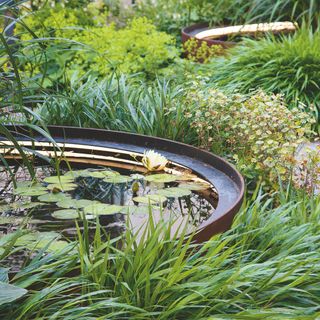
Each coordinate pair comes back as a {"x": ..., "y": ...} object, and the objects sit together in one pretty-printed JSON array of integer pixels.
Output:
[
  {"x": 121, "y": 103},
  {"x": 173, "y": 15},
  {"x": 289, "y": 65},
  {"x": 266, "y": 266},
  {"x": 79, "y": 41},
  {"x": 258, "y": 131}
]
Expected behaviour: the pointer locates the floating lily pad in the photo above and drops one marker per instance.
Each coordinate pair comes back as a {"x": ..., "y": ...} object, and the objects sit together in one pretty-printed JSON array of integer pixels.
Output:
[
  {"x": 161, "y": 178},
  {"x": 19, "y": 205},
  {"x": 118, "y": 179},
  {"x": 41, "y": 240},
  {"x": 75, "y": 173},
  {"x": 59, "y": 179},
  {"x": 138, "y": 209},
  {"x": 30, "y": 191},
  {"x": 54, "y": 197},
  {"x": 66, "y": 214},
  {"x": 152, "y": 199},
  {"x": 104, "y": 174},
  {"x": 62, "y": 187},
  {"x": 174, "y": 192},
  {"x": 74, "y": 203},
  {"x": 137, "y": 176},
  {"x": 102, "y": 209},
  {"x": 194, "y": 186}
]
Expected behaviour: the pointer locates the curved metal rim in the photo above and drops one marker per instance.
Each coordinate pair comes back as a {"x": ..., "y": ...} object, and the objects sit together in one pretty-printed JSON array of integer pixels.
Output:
[
  {"x": 187, "y": 35},
  {"x": 227, "y": 180}
]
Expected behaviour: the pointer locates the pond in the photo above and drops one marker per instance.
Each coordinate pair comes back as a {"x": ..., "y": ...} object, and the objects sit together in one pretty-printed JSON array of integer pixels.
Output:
[{"x": 50, "y": 204}]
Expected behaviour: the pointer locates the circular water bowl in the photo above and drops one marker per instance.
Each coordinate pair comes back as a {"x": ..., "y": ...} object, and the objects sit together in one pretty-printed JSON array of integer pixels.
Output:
[
  {"x": 227, "y": 37},
  {"x": 88, "y": 148}
]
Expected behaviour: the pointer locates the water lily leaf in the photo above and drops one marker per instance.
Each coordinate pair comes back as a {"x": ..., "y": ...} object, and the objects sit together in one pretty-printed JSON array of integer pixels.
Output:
[
  {"x": 62, "y": 186},
  {"x": 54, "y": 197},
  {"x": 102, "y": 209},
  {"x": 161, "y": 178},
  {"x": 66, "y": 214},
  {"x": 174, "y": 192},
  {"x": 41, "y": 240},
  {"x": 138, "y": 209},
  {"x": 137, "y": 176},
  {"x": 151, "y": 198},
  {"x": 75, "y": 173},
  {"x": 9, "y": 293},
  {"x": 118, "y": 179},
  {"x": 59, "y": 179},
  {"x": 19, "y": 205},
  {"x": 29, "y": 183},
  {"x": 74, "y": 203},
  {"x": 104, "y": 174},
  {"x": 194, "y": 186},
  {"x": 30, "y": 191}
]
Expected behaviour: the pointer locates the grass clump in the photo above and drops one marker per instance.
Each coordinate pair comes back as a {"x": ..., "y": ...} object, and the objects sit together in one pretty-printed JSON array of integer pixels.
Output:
[
  {"x": 266, "y": 266},
  {"x": 288, "y": 65}
]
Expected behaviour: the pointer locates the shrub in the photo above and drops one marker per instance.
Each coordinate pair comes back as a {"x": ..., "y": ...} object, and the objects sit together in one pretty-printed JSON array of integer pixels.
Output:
[
  {"x": 258, "y": 131},
  {"x": 79, "y": 41},
  {"x": 289, "y": 65}
]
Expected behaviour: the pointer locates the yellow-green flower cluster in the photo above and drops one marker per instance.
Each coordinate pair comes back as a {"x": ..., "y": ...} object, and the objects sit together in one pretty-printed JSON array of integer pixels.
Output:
[
  {"x": 81, "y": 41},
  {"x": 200, "y": 51}
]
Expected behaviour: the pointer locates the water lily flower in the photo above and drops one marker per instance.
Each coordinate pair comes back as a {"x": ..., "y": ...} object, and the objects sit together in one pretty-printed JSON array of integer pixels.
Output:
[{"x": 154, "y": 161}]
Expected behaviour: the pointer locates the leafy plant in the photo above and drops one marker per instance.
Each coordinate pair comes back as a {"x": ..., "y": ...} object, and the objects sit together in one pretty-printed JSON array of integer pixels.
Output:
[
  {"x": 121, "y": 103},
  {"x": 79, "y": 42},
  {"x": 267, "y": 265},
  {"x": 258, "y": 131}
]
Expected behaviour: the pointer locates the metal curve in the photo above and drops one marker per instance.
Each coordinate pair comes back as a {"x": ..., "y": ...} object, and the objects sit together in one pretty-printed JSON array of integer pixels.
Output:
[{"x": 226, "y": 179}]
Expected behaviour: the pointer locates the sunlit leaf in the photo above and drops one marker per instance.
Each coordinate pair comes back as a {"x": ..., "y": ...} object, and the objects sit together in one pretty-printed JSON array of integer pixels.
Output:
[
  {"x": 161, "y": 178},
  {"x": 174, "y": 192},
  {"x": 152, "y": 199}
]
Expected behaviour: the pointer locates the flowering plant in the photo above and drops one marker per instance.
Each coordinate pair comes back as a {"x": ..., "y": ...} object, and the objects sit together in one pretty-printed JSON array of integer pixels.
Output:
[{"x": 154, "y": 161}]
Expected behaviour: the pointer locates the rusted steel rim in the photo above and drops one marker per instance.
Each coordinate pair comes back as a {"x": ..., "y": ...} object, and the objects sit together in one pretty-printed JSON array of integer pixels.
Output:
[
  {"x": 189, "y": 33},
  {"x": 218, "y": 172}
]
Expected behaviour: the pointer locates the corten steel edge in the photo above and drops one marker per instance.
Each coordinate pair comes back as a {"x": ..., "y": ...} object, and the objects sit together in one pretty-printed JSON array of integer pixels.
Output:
[
  {"x": 218, "y": 172},
  {"x": 189, "y": 32}
]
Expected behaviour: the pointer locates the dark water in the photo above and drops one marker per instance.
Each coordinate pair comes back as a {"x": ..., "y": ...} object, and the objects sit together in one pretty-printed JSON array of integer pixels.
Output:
[{"x": 116, "y": 197}]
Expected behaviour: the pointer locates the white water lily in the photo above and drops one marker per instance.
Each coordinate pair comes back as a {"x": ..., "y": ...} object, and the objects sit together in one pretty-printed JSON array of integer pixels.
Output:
[{"x": 154, "y": 161}]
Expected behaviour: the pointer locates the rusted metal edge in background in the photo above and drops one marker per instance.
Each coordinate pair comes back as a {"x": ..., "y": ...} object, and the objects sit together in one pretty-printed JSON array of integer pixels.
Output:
[{"x": 226, "y": 179}]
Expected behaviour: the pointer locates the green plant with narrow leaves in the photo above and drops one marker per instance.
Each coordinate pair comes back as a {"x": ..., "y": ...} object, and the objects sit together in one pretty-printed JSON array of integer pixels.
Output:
[{"x": 267, "y": 265}]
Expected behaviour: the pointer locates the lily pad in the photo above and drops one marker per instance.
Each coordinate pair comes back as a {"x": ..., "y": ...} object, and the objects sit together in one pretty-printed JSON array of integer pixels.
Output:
[
  {"x": 194, "y": 186},
  {"x": 102, "y": 209},
  {"x": 137, "y": 176},
  {"x": 104, "y": 174},
  {"x": 54, "y": 197},
  {"x": 19, "y": 205},
  {"x": 62, "y": 187},
  {"x": 161, "y": 178},
  {"x": 118, "y": 179},
  {"x": 151, "y": 198},
  {"x": 59, "y": 179},
  {"x": 66, "y": 214},
  {"x": 30, "y": 191},
  {"x": 74, "y": 203},
  {"x": 41, "y": 240},
  {"x": 138, "y": 209},
  {"x": 174, "y": 192}
]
